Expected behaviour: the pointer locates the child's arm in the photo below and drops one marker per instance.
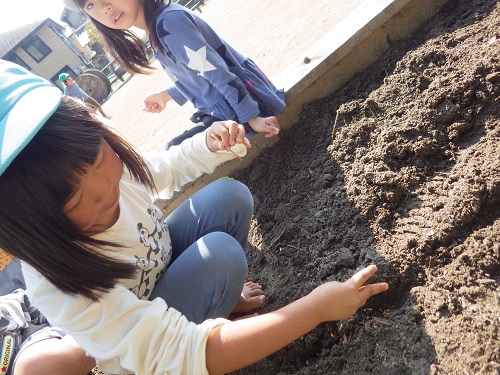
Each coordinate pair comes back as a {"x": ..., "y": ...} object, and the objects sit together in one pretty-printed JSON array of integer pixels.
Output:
[
  {"x": 156, "y": 103},
  {"x": 195, "y": 156},
  {"x": 242, "y": 342}
]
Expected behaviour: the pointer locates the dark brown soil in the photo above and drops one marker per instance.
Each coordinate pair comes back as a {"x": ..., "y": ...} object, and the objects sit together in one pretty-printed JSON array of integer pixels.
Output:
[{"x": 410, "y": 181}]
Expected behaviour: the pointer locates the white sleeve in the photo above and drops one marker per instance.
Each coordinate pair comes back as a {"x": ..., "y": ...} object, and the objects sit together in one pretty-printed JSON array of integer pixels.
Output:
[
  {"x": 125, "y": 334},
  {"x": 183, "y": 163}
]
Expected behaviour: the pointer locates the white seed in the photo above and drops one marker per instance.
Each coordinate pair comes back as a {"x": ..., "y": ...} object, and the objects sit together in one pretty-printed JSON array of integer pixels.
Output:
[{"x": 239, "y": 149}]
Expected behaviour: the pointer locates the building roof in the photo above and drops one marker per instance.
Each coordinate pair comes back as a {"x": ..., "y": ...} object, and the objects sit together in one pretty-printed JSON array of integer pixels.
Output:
[{"x": 11, "y": 40}]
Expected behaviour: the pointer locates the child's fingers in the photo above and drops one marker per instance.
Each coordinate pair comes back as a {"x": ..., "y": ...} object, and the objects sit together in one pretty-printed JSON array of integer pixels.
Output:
[
  {"x": 361, "y": 277},
  {"x": 220, "y": 133},
  {"x": 270, "y": 134},
  {"x": 271, "y": 130},
  {"x": 272, "y": 127},
  {"x": 234, "y": 132},
  {"x": 367, "y": 291},
  {"x": 246, "y": 142},
  {"x": 222, "y": 130},
  {"x": 154, "y": 108},
  {"x": 273, "y": 121},
  {"x": 240, "y": 138},
  {"x": 230, "y": 132}
]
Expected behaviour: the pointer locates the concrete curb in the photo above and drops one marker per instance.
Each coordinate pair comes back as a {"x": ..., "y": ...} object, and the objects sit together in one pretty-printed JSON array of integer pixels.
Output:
[{"x": 359, "y": 40}]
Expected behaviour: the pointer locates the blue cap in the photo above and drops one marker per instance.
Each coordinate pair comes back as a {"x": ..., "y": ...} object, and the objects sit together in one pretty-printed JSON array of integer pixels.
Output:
[{"x": 26, "y": 102}]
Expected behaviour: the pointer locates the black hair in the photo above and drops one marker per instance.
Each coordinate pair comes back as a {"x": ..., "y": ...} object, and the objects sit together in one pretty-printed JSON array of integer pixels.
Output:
[
  {"x": 35, "y": 188},
  {"x": 124, "y": 45}
]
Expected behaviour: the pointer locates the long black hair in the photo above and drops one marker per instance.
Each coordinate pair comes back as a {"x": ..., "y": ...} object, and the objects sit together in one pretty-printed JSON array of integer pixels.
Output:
[
  {"x": 37, "y": 185},
  {"x": 124, "y": 45}
]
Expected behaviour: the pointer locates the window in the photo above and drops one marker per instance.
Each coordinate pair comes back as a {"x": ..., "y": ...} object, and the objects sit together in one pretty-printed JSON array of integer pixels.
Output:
[
  {"x": 36, "y": 48},
  {"x": 17, "y": 60}
]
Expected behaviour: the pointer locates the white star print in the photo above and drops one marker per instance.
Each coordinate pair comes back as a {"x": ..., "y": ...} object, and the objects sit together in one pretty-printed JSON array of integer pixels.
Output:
[{"x": 198, "y": 60}]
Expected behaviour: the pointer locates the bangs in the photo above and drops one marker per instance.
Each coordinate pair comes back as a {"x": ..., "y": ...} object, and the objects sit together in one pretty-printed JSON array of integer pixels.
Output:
[{"x": 59, "y": 154}]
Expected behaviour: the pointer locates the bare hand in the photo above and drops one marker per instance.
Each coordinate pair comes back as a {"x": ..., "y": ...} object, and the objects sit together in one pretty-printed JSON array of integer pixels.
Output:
[
  {"x": 229, "y": 132},
  {"x": 155, "y": 103},
  {"x": 339, "y": 301},
  {"x": 268, "y": 125}
]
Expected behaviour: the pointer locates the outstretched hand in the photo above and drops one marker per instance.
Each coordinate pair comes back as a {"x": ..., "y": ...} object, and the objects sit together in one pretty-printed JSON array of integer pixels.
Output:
[
  {"x": 240, "y": 343},
  {"x": 339, "y": 301},
  {"x": 229, "y": 133},
  {"x": 268, "y": 125}
]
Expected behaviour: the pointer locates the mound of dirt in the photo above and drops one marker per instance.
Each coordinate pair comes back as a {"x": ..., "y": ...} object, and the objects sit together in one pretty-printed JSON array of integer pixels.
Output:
[{"x": 401, "y": 168}]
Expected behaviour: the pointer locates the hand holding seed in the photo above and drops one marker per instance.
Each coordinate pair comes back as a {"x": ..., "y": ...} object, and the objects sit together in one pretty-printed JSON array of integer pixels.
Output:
[{"x": 229, "y": 136}]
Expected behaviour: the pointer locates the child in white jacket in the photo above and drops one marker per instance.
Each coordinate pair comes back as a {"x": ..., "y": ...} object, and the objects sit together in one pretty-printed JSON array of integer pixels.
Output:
[{"x": 139, "y": 292}]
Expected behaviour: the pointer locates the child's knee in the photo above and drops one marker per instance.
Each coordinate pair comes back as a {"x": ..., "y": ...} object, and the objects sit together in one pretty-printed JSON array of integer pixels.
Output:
[
  {"x": 53, "y": 357},
  {"x": 226, "y": 251},
  {"x": 37, "y": 358},
  {"x": 235, "y": 192}
]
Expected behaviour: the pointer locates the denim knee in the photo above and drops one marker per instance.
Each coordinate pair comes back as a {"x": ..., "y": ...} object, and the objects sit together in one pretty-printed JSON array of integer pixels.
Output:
[
  {"x": 229, "y": 256},
  {"x": 236, "y": 194}
]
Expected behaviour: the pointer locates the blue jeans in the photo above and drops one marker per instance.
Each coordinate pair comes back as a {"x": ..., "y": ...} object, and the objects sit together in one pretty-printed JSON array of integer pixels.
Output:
[{"x": 208, "y": 268}]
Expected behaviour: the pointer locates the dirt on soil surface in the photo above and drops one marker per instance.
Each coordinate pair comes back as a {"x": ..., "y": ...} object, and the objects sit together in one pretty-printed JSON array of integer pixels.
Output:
[{"x": 407, "y": 177}]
